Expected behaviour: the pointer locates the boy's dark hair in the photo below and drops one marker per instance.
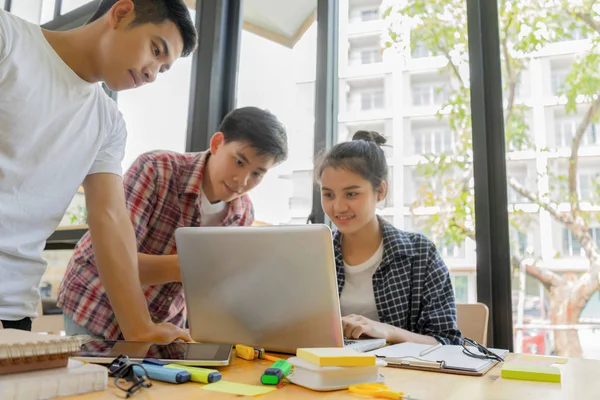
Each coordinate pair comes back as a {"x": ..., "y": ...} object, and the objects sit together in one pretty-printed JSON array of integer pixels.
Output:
[
  {"x": 259, "y": 128},
  {"x": 157, "y": 12},
  {"x": 363, "y": 156}
]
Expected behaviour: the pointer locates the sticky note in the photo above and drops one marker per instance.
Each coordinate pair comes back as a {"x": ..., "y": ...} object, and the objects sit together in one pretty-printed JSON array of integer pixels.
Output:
[
  {"x": 336, "y": 357},
  {"x": 238, "y": 388},
  {"x": 530, "y": 372},
  {"x": 543, "y": 359}
]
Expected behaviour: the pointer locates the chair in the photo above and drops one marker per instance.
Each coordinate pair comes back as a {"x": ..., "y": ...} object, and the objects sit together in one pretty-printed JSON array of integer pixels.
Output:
[
  {"x": 50, "y": 318},
  {"x": 472, "y": 320}
]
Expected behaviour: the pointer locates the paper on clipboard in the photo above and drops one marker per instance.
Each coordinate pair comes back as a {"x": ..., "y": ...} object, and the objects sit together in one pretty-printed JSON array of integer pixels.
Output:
[{"x": 452, "y": 356}]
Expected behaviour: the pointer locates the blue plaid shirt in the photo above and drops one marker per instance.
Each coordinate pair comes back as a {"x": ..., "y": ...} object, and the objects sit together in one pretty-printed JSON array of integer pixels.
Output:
[{"x": 412, "y": 286}]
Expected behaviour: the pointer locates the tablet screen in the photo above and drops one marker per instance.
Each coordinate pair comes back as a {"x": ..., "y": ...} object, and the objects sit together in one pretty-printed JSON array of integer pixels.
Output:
[{"x": 178, "y": 351}]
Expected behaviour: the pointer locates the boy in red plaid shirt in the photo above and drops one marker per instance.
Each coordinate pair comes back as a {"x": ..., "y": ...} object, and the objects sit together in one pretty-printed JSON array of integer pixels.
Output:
[{"x": 165, "y": 191}]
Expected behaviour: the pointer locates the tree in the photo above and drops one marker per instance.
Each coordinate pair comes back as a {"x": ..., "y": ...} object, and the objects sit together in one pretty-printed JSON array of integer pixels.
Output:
[{"x": 526, "y": 27}]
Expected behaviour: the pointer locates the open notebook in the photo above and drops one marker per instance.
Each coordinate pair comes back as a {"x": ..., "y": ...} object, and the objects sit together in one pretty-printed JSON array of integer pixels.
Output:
[
  {"x": 27, "y": 351},
  {"x": 447, "y": 358}
]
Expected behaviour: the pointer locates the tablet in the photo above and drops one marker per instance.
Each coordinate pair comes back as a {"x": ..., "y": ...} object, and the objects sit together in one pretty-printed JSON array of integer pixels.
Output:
[{"x": 198, "y": 354}]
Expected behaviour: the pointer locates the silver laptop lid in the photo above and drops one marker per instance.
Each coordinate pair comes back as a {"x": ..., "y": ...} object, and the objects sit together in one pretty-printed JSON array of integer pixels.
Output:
[{"x": 273, "y": 287}]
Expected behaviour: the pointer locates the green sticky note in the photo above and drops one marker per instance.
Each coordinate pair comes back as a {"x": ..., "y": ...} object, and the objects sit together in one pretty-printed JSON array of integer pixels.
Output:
[
  {"x": 238, "y": 388},
  {"x": 530, "y": 372}
]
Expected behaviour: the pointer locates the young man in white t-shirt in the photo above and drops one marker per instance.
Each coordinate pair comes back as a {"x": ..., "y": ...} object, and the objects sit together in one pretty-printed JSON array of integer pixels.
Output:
[
  {"x": 166, "y": 191},
  {"x": 59, "y": 130}
]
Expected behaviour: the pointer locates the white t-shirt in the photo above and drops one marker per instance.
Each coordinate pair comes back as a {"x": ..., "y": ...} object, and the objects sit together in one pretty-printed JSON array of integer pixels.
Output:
[
  {"x": 55, "y": 129},
  {"x": 211, "y": 214},
  {"x": 357, "y": 295}
]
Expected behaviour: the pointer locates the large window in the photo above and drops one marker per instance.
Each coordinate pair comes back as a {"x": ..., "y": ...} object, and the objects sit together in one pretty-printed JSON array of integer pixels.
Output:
[
  {"x": 380, "y": 98},
  {"x": 280, "y": 76},
  {"x": 554, "y": 269}
]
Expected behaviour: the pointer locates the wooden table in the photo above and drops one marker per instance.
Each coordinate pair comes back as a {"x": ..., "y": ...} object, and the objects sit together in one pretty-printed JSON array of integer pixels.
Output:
[{"x": 580, "y": 381}]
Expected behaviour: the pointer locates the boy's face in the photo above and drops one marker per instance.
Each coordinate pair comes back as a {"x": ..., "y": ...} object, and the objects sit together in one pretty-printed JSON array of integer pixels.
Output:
[
  {"x": 235, "y": 168},
  {"x": 134, "y": 56}
]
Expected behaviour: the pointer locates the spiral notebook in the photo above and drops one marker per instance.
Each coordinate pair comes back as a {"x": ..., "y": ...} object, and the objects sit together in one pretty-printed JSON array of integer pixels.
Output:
[{"x": 22, "y": 351}]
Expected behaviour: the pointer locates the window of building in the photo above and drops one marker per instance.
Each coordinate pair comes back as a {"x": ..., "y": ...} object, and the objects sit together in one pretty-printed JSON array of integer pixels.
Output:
[
  {"x": 371, "y": 100},
  {"x": 460, "y": 283},
  {"x": 369, "y": 15},
  {"x": 433, "y": 140},
  {"x": 371, "y": 56},
  {"x": 420, "y": 50},
  {"x": 557, "y": 81},
  {"x": 428, "y": 95},
  {"x": 572, "y": 247}
]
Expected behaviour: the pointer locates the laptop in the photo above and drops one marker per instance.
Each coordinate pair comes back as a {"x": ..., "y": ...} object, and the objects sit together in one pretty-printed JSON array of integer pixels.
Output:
[{"x": 273, "y": 287}]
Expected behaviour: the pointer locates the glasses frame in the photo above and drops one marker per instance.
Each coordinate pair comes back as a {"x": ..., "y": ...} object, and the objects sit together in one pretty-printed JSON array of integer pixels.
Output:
[
  {"x": 485, "y": 352},
  {"x": 122, "y": 368}
]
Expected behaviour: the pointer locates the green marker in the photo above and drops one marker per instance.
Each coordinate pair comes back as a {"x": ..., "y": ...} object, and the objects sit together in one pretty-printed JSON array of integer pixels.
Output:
[{"x": 276, "y": 372}]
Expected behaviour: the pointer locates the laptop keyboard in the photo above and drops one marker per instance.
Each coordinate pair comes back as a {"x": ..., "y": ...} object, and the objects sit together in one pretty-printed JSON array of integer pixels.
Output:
[{"x": 364, "y": 345}]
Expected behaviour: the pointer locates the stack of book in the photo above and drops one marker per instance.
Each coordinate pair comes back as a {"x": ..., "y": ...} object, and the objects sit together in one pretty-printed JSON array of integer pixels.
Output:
[
  {"x": 36, "y": 366},
  {"x": 333, "y": 368}
]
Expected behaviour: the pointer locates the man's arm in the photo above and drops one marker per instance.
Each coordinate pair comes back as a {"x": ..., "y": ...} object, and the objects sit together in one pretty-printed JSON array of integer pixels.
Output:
[
  {"x": 114, "y": 245},
  {"x": 158, "y": 270}
]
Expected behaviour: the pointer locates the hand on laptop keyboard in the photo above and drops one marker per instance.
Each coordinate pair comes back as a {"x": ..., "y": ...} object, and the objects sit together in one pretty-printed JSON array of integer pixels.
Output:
[{"x": 364, "y": 345}]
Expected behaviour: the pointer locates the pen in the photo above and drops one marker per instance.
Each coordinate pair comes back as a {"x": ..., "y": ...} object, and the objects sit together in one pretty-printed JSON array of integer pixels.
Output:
[
  {"x": 270, "y": 358},
  {"x": 430, "y": 349}
]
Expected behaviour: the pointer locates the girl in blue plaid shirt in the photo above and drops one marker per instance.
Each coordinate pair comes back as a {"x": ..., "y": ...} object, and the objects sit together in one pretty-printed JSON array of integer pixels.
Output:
[{"x": 392, "y": 284}]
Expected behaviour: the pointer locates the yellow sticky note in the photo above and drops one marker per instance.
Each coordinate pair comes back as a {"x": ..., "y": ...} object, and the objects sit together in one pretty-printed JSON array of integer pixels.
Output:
[
  {"x": 238, "y": 388},
  {"x": 530, "y": 372},
  {"x": 543, "y": 359}
]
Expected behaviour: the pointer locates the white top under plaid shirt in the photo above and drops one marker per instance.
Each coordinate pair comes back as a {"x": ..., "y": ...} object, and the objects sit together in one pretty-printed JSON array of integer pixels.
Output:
[
  {"x": 163, "y": 192},
  {"x": 412, "y": 285}
]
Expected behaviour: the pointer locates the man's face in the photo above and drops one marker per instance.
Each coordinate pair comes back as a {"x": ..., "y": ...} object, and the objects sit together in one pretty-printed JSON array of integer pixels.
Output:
[
  {"x": 234, "y": 169},
  {"x": 134, "y": 56}
]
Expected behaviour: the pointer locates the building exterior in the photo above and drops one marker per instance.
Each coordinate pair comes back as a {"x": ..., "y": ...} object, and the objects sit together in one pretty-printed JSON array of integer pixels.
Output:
[{"x": 400, "y": 100}]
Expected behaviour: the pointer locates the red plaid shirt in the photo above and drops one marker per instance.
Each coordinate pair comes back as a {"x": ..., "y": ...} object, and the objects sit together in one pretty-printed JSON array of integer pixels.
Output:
[{"x": 163, "y": 193}]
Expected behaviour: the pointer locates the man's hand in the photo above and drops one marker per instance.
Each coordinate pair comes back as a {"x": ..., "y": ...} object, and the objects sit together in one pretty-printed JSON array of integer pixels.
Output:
[
  {"x": 162, "y": 332},
  {"x": 356, "y": 325}
]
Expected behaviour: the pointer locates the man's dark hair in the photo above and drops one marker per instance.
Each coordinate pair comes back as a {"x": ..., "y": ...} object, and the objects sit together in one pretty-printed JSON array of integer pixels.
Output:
[
  {"x": 157, "y": 12},
  {"x": 259, "y": 128}
]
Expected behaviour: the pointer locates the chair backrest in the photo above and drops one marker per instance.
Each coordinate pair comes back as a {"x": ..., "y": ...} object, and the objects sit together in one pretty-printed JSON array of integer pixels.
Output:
[{"x": 472, "y": 321}]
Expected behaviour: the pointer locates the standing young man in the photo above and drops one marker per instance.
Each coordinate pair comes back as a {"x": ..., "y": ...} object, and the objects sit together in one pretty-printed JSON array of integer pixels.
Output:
[
  {"x": 59, "y": 130},
  {"x": 166, "y": 191}
]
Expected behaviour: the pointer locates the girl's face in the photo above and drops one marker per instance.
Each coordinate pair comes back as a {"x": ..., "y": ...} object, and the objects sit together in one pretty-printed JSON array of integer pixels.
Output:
[{"x": 348, "y": 199}]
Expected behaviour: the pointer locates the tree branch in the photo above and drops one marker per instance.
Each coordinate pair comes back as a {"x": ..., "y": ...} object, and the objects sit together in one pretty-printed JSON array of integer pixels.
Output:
[
  {"x": 546, "y": 205},
  {"x": 574, "y": 157},
  {"x": 587, "y": 18},
  {"x": 546, "y": 277},
  {"x": 510, "y": 75}
]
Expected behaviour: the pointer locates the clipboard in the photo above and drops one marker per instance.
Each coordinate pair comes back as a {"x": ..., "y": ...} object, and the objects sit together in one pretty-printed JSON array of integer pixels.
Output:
[{"x": 448, "y": 359}]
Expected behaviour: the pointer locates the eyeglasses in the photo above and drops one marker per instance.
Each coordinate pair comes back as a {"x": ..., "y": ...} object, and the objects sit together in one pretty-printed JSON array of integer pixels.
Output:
[
  {"x": 483, "y": 354},
  {"x": 122, "y": 369}
]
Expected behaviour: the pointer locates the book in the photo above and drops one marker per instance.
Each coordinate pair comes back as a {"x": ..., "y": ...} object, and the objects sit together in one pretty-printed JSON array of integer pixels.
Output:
[
  {"x": 336, "y": 357},
  {"x": 313, "y": 377},
  {"x": 446, "y": 358},
  {"x": 76, "y": 378},
  {"x": 22, "y": 351}
]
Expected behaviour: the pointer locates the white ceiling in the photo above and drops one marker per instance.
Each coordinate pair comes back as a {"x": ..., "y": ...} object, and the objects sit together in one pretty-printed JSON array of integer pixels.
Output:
[{"x": 282, "y": 21}]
